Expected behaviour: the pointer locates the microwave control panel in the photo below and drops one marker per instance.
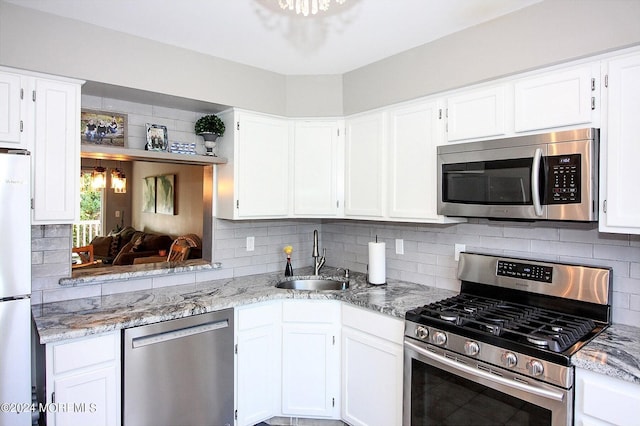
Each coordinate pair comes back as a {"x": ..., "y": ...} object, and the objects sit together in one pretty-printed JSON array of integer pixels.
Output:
[{"x": 564, "y": 176}]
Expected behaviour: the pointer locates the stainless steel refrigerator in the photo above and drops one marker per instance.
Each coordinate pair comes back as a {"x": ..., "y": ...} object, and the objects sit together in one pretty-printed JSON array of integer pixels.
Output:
[{"x": 15, "y": 287}]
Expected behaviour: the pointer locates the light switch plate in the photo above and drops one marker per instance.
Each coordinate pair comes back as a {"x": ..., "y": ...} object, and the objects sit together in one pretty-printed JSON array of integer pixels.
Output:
[
  {"x": 399, "y": 246},
  {"x": 251, "y": 241}
]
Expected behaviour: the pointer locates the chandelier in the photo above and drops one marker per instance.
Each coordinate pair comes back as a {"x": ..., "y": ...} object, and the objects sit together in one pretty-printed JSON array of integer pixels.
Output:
[{"x": 306, "y": 6}]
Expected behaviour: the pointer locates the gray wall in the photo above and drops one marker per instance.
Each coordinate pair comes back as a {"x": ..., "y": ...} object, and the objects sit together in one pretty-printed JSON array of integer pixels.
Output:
[
  {"x": 546, "y": 33},
  {"x": 543, "y": 34}
]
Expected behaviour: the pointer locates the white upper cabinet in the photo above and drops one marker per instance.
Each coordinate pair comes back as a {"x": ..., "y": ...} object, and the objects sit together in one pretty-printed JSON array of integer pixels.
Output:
[
  {"x": 414, "y": 133},
  {"x": 365, "y": 151},
  {"x": 255, "y": 181},
  {"x": 315, "y": 165},
  {"x": 478, "y": 113},
  {"x": 556, "y": 99},
  {"x": 620, "y": 148},
  {"x": 41, "y": 113},
  {"x": 11, "y": 111}
]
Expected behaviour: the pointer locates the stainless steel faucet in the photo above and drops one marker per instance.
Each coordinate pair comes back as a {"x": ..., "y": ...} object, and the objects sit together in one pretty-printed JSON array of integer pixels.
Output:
[{"x": 318, "y": 261}]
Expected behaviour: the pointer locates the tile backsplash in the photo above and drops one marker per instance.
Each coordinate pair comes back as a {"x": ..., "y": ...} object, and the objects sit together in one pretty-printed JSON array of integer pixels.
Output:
[{"x": 428, "y": 253}]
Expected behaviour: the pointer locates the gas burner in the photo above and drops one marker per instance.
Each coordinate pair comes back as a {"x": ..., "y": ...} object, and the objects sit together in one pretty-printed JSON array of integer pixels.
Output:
[
  {"x": 449, "y": 316},
  {"x": 538, "y": 340}
]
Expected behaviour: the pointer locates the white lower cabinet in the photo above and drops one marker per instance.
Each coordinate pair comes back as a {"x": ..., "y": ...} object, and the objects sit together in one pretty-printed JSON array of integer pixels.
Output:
[
  {"x": 83, "y": 380},
  {"x": 603, "y": 401},
  {"x": 257, "y": 362},
  {"x": 311, "y": 359},
  {"x": 372, "y": 368}
]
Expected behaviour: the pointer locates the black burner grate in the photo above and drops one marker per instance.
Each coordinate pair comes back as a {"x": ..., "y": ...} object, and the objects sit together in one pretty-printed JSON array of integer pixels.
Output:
[{"x": 527, "y": 325}]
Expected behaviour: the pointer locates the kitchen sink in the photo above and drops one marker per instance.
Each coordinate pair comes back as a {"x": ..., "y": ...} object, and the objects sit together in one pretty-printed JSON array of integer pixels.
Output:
[{"x": 313, "y": 284}]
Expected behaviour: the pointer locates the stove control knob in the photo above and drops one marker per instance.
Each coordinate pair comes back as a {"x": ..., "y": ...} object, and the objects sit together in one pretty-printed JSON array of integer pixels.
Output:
[
  {"x": 509, "y": 359},
  {"x": 535, "y": 368},
  {"x": 471, "y": 348},
  {"x": 422, "y": 332},
  {"x": 439, "y": 338}
]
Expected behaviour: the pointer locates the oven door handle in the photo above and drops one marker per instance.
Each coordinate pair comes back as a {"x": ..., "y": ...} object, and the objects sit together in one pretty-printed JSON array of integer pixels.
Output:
[
  {"x": 535, "y": 182},
  {"x": 545, "y": 393}
]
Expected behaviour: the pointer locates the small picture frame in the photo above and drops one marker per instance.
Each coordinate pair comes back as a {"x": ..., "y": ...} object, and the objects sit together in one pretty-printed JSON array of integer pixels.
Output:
[
  {"x": 103, "y": 127},
  {"x": 157, "y": 139}
]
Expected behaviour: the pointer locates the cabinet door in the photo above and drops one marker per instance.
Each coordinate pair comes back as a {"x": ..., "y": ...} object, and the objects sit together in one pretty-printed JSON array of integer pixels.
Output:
[
  {"x": 263, "y": 166},
  {"x": 83, "y": 378},
  {"x": 89, "y": 398},
  {"x": 315, "y": 168},
  {"x": 415, "y": 132},
  {"x": 602, "y": 400},
  {"x": 557, "y": 99},
  {"x": 365, "y": 166},
  {"x": 56, "y": 153},
  {"x": 620, "y": 149},
  {"x": 371, "y": 379},
  {"x": 11, "y": 112},
  {"x": 258, "y": 358},
  {"x": 476, "y": 114},
  {"x": 310, "y": 370}
]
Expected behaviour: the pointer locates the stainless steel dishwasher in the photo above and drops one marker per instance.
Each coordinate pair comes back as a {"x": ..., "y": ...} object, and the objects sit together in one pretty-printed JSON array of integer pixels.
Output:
[{"x": 180, "y": 372}]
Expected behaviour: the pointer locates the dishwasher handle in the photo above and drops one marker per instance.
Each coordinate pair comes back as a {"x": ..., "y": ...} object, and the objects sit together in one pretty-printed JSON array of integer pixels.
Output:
[{"x": 138, "y": 342}]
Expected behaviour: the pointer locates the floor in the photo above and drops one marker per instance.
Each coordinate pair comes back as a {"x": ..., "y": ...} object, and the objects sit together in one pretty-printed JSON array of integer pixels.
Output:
[{"x": 294, "y": 421}]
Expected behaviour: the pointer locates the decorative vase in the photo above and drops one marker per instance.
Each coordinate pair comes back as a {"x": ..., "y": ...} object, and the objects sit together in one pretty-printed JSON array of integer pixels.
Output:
[{"x": 209, "y": 142}]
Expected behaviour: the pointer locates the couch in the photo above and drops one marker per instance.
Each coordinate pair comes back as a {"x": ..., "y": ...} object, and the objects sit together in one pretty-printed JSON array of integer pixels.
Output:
[{"x": 128, "y": 244}]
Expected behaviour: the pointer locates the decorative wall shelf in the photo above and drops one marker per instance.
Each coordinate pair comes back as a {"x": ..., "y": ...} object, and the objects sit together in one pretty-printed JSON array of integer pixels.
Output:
[{"x": 102, "y": 152}]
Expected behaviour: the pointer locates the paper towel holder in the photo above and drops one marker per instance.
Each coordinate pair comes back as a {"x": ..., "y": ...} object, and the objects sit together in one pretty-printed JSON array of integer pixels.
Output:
[{"x": 373, "y": 284}]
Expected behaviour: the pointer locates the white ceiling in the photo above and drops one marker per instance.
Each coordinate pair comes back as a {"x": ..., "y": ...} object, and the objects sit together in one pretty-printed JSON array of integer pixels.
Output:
[{"x": 261, "y": 34}]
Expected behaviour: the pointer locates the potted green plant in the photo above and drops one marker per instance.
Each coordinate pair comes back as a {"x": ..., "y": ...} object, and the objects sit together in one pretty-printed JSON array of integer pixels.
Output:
[{"x": 210, "y": 127}]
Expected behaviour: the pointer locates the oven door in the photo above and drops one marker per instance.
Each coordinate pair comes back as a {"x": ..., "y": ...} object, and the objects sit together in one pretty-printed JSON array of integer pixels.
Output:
[{"x": 442, "y": 387}]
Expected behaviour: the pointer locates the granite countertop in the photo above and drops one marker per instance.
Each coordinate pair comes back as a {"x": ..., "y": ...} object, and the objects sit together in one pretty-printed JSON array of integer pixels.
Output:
[
  {"x": 615, "y": 352},
  {"x": 83, "y": 317}
]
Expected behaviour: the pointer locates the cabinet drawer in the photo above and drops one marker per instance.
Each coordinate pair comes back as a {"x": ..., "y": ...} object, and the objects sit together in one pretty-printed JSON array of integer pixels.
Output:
[
  {"x": 376, "y": 324},
  {"x": 254, "y": 316},
  {"x": 315, "y": 311},
  {"x": 85, "y": 352}
]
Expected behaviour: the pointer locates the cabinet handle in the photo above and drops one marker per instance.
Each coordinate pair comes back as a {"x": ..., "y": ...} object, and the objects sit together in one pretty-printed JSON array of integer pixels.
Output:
[
  {"x": 593, "y": 102},
  {"x": 604, "y": 206},
  {"x": 21, "y": 126}
]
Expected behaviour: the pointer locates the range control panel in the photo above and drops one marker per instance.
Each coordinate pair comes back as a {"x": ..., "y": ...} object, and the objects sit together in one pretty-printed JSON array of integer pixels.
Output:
[
  {"x": 525, "y": 271},
  {"x": 564, "y": 179}
]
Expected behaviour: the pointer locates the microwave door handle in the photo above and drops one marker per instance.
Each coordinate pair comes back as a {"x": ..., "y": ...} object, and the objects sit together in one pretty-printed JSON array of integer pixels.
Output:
[{"x": 535, "y": 181}]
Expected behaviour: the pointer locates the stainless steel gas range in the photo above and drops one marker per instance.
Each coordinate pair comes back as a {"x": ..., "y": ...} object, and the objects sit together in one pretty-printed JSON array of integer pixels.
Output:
[{"x": 500, "y": 351}]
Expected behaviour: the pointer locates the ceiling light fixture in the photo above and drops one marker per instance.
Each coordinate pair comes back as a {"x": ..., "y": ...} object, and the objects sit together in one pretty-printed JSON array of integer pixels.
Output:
[
  {"x": 99, "y": 178},
  {"x": 305, "y": 6},
  {"x": 118, "y": 181}
]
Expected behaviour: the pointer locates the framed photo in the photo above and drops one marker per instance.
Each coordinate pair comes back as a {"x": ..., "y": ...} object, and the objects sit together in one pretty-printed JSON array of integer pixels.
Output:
[
  {"x": 156, "y": 137},
  {"x": 165, "y": 194},
  {"x": 103, "y": 127},
  {"x": 149, "y": 195}
]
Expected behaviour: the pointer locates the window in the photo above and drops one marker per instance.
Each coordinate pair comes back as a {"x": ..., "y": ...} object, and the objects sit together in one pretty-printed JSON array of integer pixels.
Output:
[{"x": 91, "y": 212}]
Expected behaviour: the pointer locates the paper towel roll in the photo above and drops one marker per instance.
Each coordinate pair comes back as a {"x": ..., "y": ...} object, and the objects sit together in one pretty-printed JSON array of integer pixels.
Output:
[{"x": 377, "y": 263}]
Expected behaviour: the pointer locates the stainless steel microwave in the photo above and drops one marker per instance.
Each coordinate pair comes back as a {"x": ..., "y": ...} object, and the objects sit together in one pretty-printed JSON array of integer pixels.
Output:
[{"x": 551, "y": 176}]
